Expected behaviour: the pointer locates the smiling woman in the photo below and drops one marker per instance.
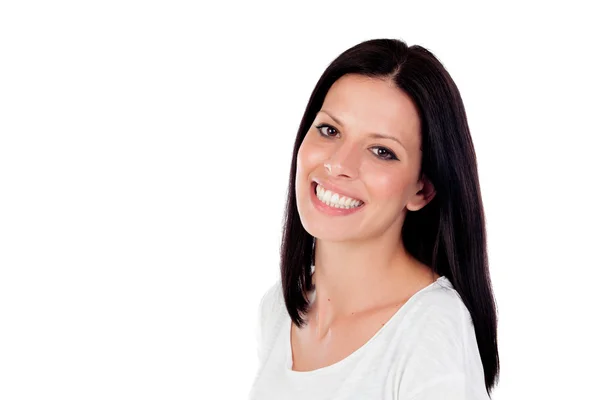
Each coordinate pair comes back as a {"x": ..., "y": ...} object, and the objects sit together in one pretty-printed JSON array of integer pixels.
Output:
[{"x": 384, "y": 290}]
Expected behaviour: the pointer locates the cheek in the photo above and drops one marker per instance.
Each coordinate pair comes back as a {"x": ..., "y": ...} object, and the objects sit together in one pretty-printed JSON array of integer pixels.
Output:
[
  {"x": 391, "y": 187},
  {"x": 310, "y": 157}
]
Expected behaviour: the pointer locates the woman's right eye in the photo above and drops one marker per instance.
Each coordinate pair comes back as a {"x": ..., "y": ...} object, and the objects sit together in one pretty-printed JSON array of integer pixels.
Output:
[{"x": 329, "y": 129}]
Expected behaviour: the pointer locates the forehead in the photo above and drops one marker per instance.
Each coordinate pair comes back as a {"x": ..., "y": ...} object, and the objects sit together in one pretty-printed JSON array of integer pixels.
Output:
[{"x": 373, "y": 105}]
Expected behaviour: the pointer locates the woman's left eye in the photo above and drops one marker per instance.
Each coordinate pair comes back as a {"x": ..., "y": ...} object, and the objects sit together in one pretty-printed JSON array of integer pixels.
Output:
[{"x": 388, "y": 155}]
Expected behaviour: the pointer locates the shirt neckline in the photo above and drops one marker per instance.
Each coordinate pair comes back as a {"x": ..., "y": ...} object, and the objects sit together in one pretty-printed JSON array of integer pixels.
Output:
[{"x": 339, "y": 364}]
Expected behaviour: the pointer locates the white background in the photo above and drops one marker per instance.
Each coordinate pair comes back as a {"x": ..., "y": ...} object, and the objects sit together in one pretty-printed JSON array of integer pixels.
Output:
[{"x": 144, "y": 158}]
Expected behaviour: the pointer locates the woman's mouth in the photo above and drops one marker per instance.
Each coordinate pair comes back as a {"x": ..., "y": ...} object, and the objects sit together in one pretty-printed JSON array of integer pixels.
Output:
[{"x": 333, "y": 203}]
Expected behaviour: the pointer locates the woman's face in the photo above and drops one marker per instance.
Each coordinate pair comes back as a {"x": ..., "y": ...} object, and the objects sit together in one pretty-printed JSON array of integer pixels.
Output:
[{"x": 342, "y": 151}]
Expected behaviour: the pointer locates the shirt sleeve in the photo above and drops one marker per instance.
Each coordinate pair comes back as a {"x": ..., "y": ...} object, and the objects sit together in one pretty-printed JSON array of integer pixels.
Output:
[
  {"x": 264, "y": 323},
  {"x": 440, "y": 362},
  {"x": 450, "y": 387}
]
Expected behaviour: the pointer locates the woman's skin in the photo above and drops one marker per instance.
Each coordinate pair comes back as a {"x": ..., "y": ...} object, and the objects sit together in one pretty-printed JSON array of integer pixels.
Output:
[{"x": 363, "y": 274}]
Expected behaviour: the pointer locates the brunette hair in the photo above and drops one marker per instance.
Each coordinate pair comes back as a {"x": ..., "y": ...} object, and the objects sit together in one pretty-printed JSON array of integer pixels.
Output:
[{"x": 448, "y": 234}]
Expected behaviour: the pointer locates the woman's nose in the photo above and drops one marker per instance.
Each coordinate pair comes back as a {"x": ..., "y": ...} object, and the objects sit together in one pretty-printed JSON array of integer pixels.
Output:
[{"x": 344, "y": 161}]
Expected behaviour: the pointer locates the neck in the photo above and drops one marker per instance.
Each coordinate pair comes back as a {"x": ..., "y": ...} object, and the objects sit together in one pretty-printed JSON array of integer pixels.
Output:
[{"x": 351, "y": 278}]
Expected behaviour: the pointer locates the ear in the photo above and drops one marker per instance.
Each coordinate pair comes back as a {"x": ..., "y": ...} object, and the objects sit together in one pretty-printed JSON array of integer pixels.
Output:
[{"x": 425, "y": 194}]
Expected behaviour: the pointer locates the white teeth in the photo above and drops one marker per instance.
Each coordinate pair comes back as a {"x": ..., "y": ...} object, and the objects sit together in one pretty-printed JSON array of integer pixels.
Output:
[{"x": 333, "y": 199}]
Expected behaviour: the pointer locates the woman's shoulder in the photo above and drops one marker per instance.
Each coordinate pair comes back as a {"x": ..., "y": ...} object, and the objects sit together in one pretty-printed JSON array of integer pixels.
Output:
[
  {"x": 440, "y": 309},
  {"x": 440, "y": 324},
  {"x": 271, "y": 301},
  {"x": 270, "y": 315},
  {"x": 443, "y": 343},
  {"x": 442, "y": 298}
]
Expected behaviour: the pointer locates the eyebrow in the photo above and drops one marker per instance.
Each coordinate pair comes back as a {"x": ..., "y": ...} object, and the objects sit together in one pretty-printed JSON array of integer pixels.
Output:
[{"x": 373, "y": 135}]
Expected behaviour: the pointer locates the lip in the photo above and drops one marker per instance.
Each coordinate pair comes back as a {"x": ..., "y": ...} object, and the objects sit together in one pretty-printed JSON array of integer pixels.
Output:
[
  {"x": 336, "y": 189},
  {"x": 319, "y": 205}
]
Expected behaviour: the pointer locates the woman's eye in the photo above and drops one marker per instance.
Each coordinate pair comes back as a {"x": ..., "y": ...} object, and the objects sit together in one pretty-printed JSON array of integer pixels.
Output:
[
  {"x": 384, "y": 153},
  {"x": 327, "y": 131}
]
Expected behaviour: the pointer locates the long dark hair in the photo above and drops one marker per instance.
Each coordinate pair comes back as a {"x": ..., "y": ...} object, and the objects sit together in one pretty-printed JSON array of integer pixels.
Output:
[{"x": 448, "y": 234}]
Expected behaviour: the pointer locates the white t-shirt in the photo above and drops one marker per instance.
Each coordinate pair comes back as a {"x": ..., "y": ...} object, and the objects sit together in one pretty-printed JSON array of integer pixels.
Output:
[{"x": 426, "y": 351}]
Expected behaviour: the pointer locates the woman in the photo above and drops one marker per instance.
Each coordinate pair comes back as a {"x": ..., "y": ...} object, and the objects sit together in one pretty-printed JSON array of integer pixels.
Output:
[{"x": 385, "y": 290}]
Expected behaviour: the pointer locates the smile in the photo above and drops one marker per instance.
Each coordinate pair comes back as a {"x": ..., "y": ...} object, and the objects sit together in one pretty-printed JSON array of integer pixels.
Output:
[
  {"x": 335, "y": 200},
  {"x": 333, "y": 203}
]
